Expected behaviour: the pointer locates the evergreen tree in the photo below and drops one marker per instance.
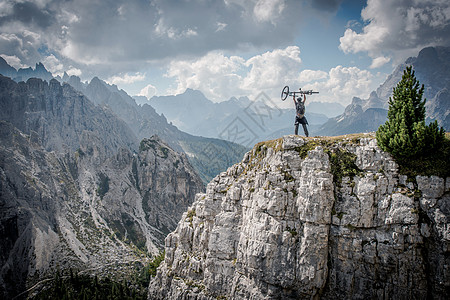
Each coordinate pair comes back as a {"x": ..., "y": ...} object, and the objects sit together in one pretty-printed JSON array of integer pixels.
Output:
[{"x": 405, "y": 134}]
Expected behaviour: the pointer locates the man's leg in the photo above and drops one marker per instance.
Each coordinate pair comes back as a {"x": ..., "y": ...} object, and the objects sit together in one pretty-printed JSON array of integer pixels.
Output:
[
  {"x": 296, "y": 129},
  {"x": 305, "y": 129}
]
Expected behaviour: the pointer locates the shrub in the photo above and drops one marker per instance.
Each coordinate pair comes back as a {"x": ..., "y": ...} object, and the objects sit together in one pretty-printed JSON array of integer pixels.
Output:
[{"x": 154, "y": 264}]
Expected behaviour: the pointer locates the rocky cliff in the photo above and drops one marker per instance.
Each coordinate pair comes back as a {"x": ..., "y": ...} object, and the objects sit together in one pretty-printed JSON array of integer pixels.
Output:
[
  {"x": 61, "y": 117},
  {"x": 80, "y": 211},
  {"x": 309, "y": 218},
  {"x": 125, "y": 120}
]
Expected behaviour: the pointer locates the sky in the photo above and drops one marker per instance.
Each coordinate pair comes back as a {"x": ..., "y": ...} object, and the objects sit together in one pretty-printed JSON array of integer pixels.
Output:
[{"x": 224, "y": 48}]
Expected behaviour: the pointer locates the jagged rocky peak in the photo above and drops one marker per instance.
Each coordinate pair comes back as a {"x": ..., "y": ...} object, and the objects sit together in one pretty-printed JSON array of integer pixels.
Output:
[
  {"x": 24, "y": 74},
  {"x": 374, "y": 102},
  {"x": 61, "y": 116},
  {"x": 150, "y": 142},
  {"x": 157, "y": 144},
  {"x": 357, "y": 101},
  {"x": 298, "y": 218}
]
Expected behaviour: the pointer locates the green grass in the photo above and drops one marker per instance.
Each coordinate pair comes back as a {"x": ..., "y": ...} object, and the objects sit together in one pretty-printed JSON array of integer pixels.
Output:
[
  {"x": 190, "y": 216},
  {"x": 342, "y": 164}
]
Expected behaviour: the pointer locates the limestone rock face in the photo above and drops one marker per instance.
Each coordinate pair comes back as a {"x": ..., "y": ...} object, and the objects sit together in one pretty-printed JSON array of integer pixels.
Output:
[
  {"x": 76, "y": 211},
  {"x": 62, "y": 118},
  {"x": 299, "y": 219}
]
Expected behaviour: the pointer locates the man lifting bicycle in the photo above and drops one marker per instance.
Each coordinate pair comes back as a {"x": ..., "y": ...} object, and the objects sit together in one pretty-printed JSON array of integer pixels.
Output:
[{"x": 299, "y": 106}]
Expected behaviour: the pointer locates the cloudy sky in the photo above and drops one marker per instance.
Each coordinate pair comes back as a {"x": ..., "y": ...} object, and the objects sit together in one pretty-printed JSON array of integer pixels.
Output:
[{"x": 342, "y": 48}]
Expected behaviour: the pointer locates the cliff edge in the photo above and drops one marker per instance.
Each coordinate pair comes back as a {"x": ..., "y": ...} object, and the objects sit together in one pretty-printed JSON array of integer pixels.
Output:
[{"x": 312, "y": 218}]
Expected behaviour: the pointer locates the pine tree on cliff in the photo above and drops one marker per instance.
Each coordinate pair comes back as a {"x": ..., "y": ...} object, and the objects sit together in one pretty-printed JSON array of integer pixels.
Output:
[{"x": 405, "y": 134}]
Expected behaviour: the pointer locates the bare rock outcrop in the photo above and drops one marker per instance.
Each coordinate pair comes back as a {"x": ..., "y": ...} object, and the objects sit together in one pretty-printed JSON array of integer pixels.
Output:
[{"x": 322, "y": 219}]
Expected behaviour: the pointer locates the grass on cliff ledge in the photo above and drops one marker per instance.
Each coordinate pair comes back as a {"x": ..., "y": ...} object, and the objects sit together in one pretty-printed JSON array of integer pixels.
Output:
[{"x": 436, "y": 163}]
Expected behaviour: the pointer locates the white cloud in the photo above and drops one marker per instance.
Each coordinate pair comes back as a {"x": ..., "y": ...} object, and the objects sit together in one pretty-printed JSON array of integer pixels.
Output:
[
  {"x": 53, "y": 65},
  {"x": 6, "y": 8},
  {"x": 72, "y": 51},
  {"x": 13, "y": 61},
  {"x": 148, "y": 91},
  {"x": 312, "y": 75},
  {"x": 399, "y": 28},
  {"x": 126, "y": 78},
  {"x": 219, "y": 77},
  {"x": 189, "y": 32},
  {"x": 272, "y": 69},
  {"x": 379, "y": 61},
  {"x": 162, "y": 30},
  {"x": 221, "y": 26},
  {"x": 214, "y": 74},
  {"x": 21, "y": 45},
  {"x": 32, "y": 36},
  {"x": 268, "y": 10},
  {"x": 57, "y": 67},
  {"x": 342, "y": 84},
  {"x": 73, "y": 71},
  {"x": 349, "y": 81}
]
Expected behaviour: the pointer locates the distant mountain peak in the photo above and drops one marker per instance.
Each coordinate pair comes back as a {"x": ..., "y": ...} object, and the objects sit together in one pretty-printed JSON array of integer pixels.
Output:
[
  {"x": 65, "y": 77},
  {"x": 40, "y": 67},
  {"x": 24, "y": 74},
  {"x": 4, "y": 64},
  {"x": 6, "y": 69},
  {"x": 195, "y": 93},
  {"x": 427, "y": 53},
  {"x": 96, "y": 80},
  {"x": 357, "y": 101},
  {"x": 3, "y": 61}
]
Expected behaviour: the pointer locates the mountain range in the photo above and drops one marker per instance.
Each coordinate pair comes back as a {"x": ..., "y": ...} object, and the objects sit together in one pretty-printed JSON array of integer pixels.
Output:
[
  {"x": 432, "y": 69},
  {"x": 209, "y": 156},
  {"x": 23, "y": 74},
  {"x": 81, "y": 188},
  {"x": 257, "y": 120},
  {"x": 61, "y": 117},
  {"x": 144, "y": 121},
  {"x": 77, "y": 190},
  {"x": 93, "y": 183}
]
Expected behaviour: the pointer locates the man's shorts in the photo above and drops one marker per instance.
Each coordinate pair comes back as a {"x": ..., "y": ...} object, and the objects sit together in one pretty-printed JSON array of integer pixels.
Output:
[{"x": 300, "y": 120}]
